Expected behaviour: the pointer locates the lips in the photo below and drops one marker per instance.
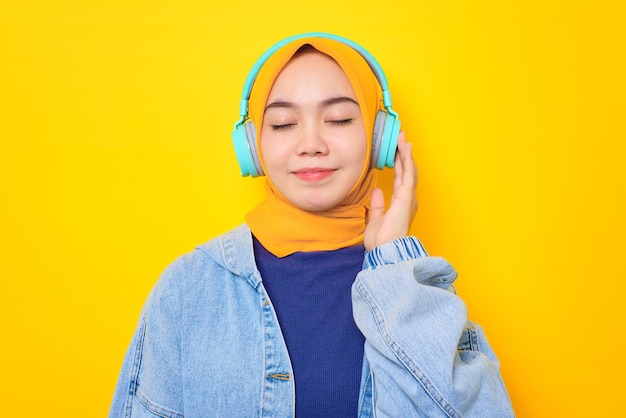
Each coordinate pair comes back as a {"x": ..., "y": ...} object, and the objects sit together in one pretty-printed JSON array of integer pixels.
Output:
[{"x": 313, "y": 174}]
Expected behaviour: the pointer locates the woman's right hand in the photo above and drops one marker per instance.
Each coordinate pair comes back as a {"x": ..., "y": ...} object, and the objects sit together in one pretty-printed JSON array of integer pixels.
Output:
[{"x": 396, "y": 221}]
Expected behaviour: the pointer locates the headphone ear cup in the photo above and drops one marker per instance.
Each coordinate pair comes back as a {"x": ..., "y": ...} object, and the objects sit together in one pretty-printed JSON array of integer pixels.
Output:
[
  {"x": 244, "y": 140},
  {"x": 384, "y": 140}
]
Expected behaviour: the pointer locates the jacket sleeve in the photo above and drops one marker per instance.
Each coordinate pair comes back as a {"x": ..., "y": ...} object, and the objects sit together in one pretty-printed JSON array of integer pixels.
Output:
[
  {"x": 425, "y": 358},
  {"x": 149, "y": 384}
]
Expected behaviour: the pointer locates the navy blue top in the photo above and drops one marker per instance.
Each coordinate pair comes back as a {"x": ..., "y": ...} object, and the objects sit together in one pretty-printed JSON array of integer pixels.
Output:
[{"x": 310, "y": 292}]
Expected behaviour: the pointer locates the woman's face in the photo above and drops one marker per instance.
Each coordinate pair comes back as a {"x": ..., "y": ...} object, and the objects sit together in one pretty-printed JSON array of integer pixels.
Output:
[{"x": 313, "y": 140}]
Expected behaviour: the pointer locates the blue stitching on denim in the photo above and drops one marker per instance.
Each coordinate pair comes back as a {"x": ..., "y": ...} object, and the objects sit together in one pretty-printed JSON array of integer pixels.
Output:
[{"x": 136, "y": 365}]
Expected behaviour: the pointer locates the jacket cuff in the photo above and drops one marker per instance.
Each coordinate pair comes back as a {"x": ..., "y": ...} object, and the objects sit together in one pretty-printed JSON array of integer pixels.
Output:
[{"x": 400, "y": 249}]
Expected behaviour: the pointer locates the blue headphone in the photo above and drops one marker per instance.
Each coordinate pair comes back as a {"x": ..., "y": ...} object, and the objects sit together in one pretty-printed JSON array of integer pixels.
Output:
[{"x": 386, "y": 124}]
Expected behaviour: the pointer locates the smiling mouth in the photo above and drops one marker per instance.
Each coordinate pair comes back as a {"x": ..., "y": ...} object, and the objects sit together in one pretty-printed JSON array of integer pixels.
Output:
[{"x": 313, "y": 174}]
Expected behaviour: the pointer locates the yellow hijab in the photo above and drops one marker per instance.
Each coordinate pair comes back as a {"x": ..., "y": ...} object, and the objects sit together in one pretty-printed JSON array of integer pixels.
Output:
[{"x": 283, "y": 228}]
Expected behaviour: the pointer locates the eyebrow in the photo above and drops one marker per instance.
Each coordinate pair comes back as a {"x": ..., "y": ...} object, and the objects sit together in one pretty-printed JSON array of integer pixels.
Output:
[{"x": 324, "y": 103}]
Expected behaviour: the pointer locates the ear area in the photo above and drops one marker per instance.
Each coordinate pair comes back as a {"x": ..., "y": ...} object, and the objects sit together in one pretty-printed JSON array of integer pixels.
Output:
[
  {"x": 244, "y": 140},
  {"x": 384, "y": 140}
]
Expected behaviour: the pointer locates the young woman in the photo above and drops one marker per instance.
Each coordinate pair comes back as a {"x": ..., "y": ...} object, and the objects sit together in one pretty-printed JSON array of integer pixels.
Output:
[{"x": 320, "y": 305}]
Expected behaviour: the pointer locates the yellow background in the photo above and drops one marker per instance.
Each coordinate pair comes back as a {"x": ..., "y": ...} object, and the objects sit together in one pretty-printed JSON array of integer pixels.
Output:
[{"x": 115, "y": 122}]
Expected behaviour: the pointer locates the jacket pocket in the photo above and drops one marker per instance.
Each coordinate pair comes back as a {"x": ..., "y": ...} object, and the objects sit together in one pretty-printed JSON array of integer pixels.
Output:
[{"x": 143, "y": 407}]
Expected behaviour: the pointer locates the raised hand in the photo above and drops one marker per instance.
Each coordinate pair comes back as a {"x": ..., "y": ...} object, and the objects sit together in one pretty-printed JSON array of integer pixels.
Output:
[{"x": 396, "y": 221}]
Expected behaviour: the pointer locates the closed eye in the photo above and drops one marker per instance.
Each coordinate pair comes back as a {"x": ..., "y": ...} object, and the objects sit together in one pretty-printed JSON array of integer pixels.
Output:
[
  {"x": 340, "y": 122},
  {"x": 282, "y": 127}
]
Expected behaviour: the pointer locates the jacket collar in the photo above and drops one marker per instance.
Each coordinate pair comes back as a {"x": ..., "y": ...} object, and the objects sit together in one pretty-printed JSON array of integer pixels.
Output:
[{"x": 233, "y": 250}]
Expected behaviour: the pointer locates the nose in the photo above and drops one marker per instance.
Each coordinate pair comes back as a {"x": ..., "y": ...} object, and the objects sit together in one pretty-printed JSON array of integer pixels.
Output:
[{"x": 311, "y": 142}]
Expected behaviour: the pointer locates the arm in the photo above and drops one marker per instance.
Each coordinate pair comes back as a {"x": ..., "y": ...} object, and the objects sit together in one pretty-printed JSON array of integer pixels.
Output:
[{"x": 425, "y": 357}]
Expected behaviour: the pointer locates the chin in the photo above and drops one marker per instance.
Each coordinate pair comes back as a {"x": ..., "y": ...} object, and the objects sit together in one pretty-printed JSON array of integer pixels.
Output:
[
  {"x": 317, "y": 206},
  {"x": 314, "y": 201}
]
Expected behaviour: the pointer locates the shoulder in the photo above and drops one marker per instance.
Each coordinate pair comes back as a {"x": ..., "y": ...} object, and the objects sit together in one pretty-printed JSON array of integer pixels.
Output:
[
  {"x": 225, "y": 247},
  {"x": 227, "y": 255}
]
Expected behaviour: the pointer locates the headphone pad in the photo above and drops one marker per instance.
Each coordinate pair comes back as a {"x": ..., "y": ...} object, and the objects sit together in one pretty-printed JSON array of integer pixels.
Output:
[
  {"x": 244, "y": 140},
  {"x": 384, "y": 140}
]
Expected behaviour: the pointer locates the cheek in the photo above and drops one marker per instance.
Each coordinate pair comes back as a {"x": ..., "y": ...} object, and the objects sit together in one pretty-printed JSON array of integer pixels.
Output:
[
  {"x": 355, "y": 148},
  {"x": 271, "y": 153}
]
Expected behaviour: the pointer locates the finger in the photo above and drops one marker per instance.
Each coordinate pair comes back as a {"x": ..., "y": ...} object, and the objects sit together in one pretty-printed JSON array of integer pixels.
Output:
[
  {"x": 406, "y": 150},
  {"x": 409, "y": 166},
  {"x": 405, "y": 176},
  {"x": 408, "y": 162},
  {"x": 377, "y": 204},
  {"x": 398, "y": 171}
]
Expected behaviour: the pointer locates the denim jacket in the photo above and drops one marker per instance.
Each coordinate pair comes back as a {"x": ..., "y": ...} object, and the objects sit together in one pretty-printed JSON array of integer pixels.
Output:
[{"x": 208, "y": 343}]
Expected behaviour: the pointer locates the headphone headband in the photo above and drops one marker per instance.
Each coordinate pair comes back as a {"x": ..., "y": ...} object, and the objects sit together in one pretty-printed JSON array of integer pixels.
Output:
[{"x": 369, "y": 58}]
